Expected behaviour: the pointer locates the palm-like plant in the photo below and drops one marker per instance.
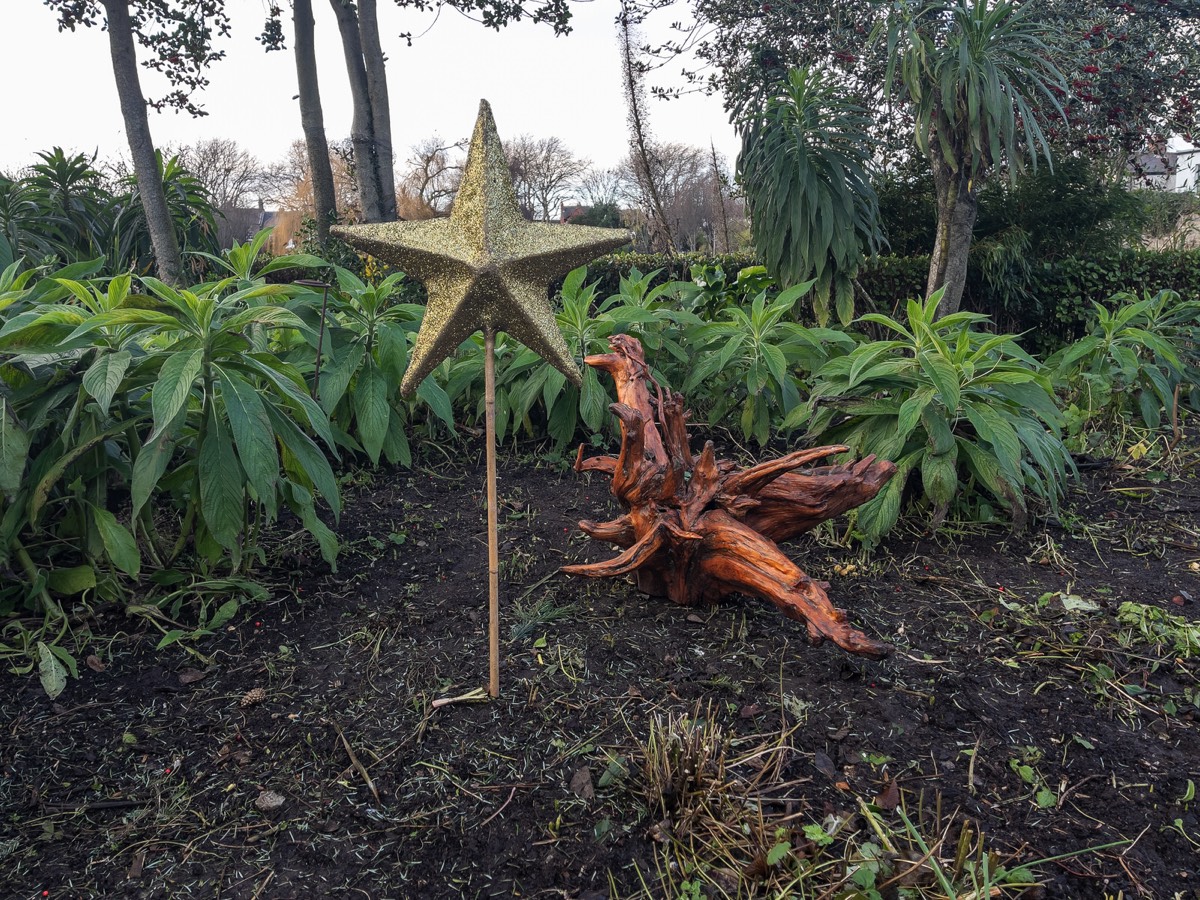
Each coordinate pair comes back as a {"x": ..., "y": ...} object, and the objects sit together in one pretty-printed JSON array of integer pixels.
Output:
[
  {"x": 980, "y": 75},
  {"x": 803, "y": 167}
]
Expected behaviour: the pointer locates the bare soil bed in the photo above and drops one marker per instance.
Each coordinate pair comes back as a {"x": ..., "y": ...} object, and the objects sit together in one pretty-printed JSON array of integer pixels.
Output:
[{"x": 1014, "y": 703}]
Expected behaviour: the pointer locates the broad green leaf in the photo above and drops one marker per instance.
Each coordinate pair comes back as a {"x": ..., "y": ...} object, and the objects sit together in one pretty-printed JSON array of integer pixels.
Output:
[
  {"x": 371, "y": 409},
  {"x": 436, "y": 399},
  {"x": 939, "y": 477},
  {"x": 336, "y": 378},
  {"x": 310, "y": 464},
  {"x": 14, "y": 451},
  {"x": 592, "y": 400},
  {"x": 222, "y": 499},
  {"x": 72, "y": 581},
  {"x": 152, "y": 460},
  {"x": 253, "y": 437},
  {"x": 944, "y": 377},
  {"x": 395, "y": 445},
  {"x": 119, "y": 544},
  {"x": 226, "y": 612},
  {"x": 326, "y": 540},
  {"x": 174, "y": 384},
  {"x": 103, "y": 377}
]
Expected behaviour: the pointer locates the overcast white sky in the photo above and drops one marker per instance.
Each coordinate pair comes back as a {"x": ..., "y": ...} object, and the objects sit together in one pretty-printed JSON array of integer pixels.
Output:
[{"x": 60, "y": 90}]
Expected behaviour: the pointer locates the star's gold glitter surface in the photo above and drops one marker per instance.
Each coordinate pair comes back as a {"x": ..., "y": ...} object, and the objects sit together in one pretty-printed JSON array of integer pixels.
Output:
[{"x": 485, "y": 267}]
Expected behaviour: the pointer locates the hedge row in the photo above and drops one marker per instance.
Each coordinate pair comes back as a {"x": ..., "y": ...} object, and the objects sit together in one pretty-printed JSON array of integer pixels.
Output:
[{"x": 1058, "y": 295}]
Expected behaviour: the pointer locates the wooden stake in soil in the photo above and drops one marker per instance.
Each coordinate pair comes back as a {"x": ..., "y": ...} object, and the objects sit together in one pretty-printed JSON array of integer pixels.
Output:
[
  {"x": 493, "y": 528},
  {"x": 485, "y": 268}
]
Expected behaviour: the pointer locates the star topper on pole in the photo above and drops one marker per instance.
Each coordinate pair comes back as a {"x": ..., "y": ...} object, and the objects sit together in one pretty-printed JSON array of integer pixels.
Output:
[{"x": 485, "y": 268}]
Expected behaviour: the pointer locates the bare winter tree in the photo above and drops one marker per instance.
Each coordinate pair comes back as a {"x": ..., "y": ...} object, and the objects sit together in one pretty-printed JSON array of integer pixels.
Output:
[
  {"x": 234, "y": 176},
  {"x": 431, "y": 176},
  {"x": 545, "y": 172},
  {"x": 690, "y": 183},
  {"x": 603, "y": 186},
  {"x": 289, "y": 182}
]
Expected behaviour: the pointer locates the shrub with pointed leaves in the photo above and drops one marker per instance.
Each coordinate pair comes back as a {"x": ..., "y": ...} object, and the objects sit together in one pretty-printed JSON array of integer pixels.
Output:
[
  {"x": 803, "y": 167},
  {"x": 969, "y": 411}
]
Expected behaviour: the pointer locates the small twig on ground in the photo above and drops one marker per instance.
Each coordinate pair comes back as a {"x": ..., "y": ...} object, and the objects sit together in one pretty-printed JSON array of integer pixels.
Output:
[
  {"x": 503, "y": 806},
  {"x": 354, "y": 760},
  {"x": 1062, "y": 798}
]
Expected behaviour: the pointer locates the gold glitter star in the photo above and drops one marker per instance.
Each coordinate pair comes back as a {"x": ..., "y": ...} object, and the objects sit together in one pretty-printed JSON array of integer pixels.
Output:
[{"x": 485, "y": 267}]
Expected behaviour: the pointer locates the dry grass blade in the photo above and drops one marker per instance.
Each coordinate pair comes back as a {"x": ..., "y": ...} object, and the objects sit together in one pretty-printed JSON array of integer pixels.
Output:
[{"x": 354, "y": 760}]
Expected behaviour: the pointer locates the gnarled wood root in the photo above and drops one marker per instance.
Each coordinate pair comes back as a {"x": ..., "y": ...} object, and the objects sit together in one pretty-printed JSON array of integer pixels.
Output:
[{"x": 696, "y": 528}]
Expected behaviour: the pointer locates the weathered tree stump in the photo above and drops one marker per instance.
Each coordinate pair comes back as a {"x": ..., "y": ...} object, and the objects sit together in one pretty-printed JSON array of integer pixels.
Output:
[{"x": 701, "y": 528}]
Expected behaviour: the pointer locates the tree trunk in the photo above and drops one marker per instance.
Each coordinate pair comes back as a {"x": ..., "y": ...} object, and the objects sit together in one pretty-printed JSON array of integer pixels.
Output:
[
  {"x": 958, "y": 205},
  {"x": 381, "y": 115},
  {"x": 141, "y": 144},
  {"x": 362, "y": 126},
  {"x": 312, "y": 120}
]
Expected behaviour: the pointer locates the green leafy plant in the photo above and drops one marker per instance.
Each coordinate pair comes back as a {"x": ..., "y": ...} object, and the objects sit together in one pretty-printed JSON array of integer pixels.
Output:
[
  {"x": 526, "y": 385},
  {"x": 813, "y": 210},
  {"x": 969, "y": 411},
  {"x": 749, "y": 357},
  {"x": 367, "y": 350},
  {"x": 1138, "y": 356}
]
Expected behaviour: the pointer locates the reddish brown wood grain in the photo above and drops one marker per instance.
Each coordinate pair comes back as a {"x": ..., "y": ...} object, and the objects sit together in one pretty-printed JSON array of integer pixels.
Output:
[{"x": 698, "y": 528}]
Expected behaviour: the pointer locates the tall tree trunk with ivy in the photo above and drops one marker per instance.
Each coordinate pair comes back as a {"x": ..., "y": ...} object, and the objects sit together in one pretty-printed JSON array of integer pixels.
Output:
[
  {"x": 381, "y": 116},
  {"x": 957, "y": 208},
  {"x": 312, "y": 120},
  {"x": 141, "y": 145},
  {"x": 362, "y": 124}
]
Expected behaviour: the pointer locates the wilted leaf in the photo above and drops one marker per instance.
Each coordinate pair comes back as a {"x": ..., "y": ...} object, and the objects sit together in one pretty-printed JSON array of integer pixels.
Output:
[
  {"x": 824, "y": 765},
  {"x": 52, "y": 673},
  {"x": 581, "y": 784},
  {"x": 889, "y": 799}
]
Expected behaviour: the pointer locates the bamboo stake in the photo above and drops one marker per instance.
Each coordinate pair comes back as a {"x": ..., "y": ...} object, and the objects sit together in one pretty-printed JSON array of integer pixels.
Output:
[{"x": 489, "y": 399}]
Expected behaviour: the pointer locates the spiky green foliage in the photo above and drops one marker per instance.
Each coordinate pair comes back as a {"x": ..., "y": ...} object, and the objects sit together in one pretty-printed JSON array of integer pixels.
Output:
[
  {"x": 803, "y": 167},
  {"x": 976, "y": 72}
]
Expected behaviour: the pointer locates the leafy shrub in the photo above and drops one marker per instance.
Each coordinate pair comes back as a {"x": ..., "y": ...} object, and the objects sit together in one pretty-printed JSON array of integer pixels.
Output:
[
  {"x": 746, "y": 360},
  {"x": 367, "y": 339},
  {"x": 134, "y": 424},
  {"x": 969, "y": 411},
  {"x": 66, "y": 209},
  {"x": 813, "y": 210},
  {"x": 1134, "y": 361}
]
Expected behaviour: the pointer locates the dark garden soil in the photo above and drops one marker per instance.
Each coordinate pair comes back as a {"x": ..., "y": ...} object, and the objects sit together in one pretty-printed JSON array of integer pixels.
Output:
[{"x": 1041, "y": 722}]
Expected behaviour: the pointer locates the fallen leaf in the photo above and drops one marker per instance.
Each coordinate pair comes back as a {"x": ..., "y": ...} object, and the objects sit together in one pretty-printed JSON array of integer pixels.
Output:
[
  {"x": 842, "y": 785},
  {"x": 581, "y": 784},
  {"x": 94, "y": 663},
  {"x": 890, "y": 798},
  {"x": 191, "y": 676},
  {"x": 268, "y": 801},
  {"x": 824, "y": 765},
  {"x": 750, "y": 710}
]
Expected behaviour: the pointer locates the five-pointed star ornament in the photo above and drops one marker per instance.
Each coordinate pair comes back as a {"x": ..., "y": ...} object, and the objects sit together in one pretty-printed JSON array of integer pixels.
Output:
[{"x": 485, "y": 267}]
